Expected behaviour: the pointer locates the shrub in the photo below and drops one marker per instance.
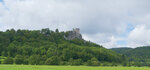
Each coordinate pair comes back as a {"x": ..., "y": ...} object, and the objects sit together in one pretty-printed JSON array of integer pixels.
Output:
[
  {"x": 75, "y": 62},
  {"x": 54, "y": 60},
  {"x": 124, "y": 64},
  {"x": 34, "y": 60},
  {"x": 105, "y": 64},
  {"x": 114, "y": 64},
  {"x": 19, "y": 59},
  {"x": 93, "y": 62},
  {"x": 8, "y": 60}
]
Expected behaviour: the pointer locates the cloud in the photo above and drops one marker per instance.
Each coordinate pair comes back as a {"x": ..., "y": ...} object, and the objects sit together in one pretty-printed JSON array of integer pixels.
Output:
[
  {"x": 102, "y": 21},
  {"x": 140, "y": 36},
  {"x": 32, "y": 14},
  {"x": 107, "y": 40}
]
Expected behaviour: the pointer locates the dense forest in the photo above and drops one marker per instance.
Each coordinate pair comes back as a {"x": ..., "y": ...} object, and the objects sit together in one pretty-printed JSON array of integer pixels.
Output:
[
  {"x": 47, "y": 47},
  {"x": 139, "y": 55},
  {"x": 121, "y": 50}
]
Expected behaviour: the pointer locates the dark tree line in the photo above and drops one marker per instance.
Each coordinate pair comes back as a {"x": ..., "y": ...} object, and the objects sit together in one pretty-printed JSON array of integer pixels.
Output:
[{"x": 46, "y": 47}]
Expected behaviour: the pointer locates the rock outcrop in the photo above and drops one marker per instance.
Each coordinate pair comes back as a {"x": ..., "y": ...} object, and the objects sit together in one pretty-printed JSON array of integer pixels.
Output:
[{"x": 75, "y": 33}]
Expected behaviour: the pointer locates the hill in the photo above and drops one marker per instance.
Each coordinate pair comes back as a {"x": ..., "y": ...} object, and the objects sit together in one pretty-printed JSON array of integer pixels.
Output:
[
  {"x": 47, "y": 47},
  {"x": 121, "y": 50},
  {"x": 139, "y": 54}
]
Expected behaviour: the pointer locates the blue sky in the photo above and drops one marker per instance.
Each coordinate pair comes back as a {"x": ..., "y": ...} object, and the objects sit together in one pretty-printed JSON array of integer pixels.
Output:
[
  {"x": 129, "y": 28},
  {"x": 119, "y": 23},
  {"x": 1, "y": 0}
]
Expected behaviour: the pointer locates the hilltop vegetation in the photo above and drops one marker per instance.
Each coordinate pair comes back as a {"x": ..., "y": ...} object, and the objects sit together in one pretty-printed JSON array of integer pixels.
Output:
[
  {"x": 47, "y": 47},
  {"x": 121, "y": 50}
]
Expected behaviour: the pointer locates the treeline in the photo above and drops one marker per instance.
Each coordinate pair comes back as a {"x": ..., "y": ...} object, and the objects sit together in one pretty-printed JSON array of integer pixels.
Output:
[{"x": 47, "y": 47}]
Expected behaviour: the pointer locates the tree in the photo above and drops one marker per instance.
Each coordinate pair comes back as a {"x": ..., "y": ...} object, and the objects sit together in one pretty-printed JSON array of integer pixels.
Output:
[
  {"x": 75, "y": 62},
  {"x": 129, "y": 64},
  {"x": 114, "y": 64},
  {"x": 43, "y": 59},
  {"x": 3, "y": 53},
  {"x": 124, "y": 64},
  {"x": 93, "y": 62},
  {"x": 19, "y": 59},
  {"x": 34, "y": 60},
  {"x": 57, "y": 31},
  {"x": 45, "y": 31},
  {"x": 45, "y": 46},
  {"x": 54, "y": 60},
  {"x": 8, "y": 60}
]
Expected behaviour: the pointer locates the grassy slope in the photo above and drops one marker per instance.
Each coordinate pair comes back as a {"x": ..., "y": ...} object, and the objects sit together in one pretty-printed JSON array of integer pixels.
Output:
[{"x": 34, "y": 67}]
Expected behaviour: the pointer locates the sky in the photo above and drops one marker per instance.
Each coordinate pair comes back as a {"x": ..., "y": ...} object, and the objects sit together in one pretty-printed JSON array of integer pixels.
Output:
[{"x": 111, "y": 23}]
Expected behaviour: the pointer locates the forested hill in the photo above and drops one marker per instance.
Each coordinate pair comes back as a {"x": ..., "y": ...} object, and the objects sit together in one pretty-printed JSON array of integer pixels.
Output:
[
  {"x": 139, "y": 54},
  {"x": 51, "y": 48},
  {"x": 121, "y": 50}
]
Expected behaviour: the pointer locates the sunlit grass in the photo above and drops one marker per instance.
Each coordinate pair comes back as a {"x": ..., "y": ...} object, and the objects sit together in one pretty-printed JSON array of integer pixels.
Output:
[{"x": 44, "y": 67}]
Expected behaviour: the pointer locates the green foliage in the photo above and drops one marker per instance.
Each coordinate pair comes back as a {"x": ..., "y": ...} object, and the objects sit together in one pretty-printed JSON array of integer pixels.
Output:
[
  {"x": 52, "y": 61},
  {"x": 39, "y": 47},
  {"x": 34, "y": 60},
  {"x": 8, "y": 60},
  {"x": 19, "y": 59},
  {"x": 93, "y": 62},
  {"x": 121, "y": 50},
  {"x": 139, "y": 56},
  {"x": 125, "y": 64},
  {"x": 114, "y": 64},
  {"x": 75, "y": 62}
]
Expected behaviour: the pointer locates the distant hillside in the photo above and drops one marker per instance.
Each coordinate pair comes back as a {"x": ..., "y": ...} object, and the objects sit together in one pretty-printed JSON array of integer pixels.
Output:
[
  {"x": 121, "y": 50},
  {"x": 139, "y": 54},
  {"x": 49, "y": 47}
]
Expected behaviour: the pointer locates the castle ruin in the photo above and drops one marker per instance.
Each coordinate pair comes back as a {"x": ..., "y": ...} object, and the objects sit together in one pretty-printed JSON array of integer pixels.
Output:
[{"x": 75, "y": 33}]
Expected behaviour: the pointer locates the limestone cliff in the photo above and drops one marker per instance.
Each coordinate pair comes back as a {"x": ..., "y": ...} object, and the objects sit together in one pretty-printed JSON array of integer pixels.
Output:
[{"x": 75, "y": 33}]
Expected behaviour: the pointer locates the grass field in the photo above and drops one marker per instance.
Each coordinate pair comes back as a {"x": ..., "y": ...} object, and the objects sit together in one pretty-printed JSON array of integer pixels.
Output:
[{"x": 34, "y": 67}]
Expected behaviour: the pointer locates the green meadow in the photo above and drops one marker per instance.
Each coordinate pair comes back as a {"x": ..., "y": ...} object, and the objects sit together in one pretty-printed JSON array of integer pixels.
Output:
[{"x": 43, "y": 67}]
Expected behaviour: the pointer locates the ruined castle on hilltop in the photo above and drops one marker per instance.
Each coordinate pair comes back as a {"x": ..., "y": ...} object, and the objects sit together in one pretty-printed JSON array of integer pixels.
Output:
[{"x": 75, "y": 33}]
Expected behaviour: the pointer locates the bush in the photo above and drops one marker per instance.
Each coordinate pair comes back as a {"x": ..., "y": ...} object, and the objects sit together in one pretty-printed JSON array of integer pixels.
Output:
[
  {"x": 43, "y": 59},
  {"x": 93, "y": 62},
  {"x": 34, "y": 60},
  {"x": 63, "y": 63},
  {"x": 54, "y": 60},
  {"x": 75, "y": 62},
  {"x": 105, "y": 64},
  {"x": 8, "y": 60},
  {"x": 26, "y": 60},
  {"x": 19, "y": 59},
  {"x": 148, "y": 65},
  {"x": 124, "y": 64},
  {"x": 129, "y": 64},
  {"x": 114, "y": 64}
]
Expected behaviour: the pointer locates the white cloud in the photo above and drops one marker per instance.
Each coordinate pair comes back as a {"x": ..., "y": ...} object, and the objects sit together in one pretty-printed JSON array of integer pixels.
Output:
[
  {"x": 140, "y": 36},
  {"x": 36, "y": 14},
  {"x": 101, "y": 21},
  {"x": 103, "y": 39}
]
